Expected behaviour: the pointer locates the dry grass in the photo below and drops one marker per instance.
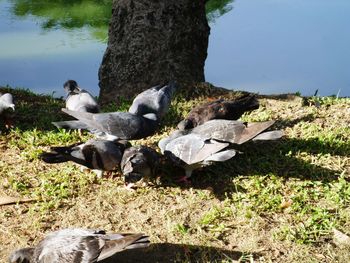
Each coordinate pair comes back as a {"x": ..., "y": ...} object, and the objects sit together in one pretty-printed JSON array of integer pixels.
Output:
[{"x": 276, "y": 202}]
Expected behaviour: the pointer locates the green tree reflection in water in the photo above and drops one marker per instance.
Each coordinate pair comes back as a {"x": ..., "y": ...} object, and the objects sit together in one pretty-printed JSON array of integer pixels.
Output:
[
  {"x": 93, "y": 14},
  {"x": 68, "y": 14},
  {"x": 217, "y": 8}
]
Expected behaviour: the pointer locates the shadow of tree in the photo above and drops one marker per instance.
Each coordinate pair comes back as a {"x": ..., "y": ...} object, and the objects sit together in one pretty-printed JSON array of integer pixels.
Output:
[{"x": 167, "y": 252}]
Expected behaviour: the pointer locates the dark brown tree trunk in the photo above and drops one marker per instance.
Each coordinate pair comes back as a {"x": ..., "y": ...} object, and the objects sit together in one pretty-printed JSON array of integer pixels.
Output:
[{"x": 152, "y": 41}]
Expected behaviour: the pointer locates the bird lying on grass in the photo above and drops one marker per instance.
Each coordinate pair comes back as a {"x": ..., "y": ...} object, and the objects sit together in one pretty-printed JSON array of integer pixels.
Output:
[
  {"x": 219, "y": 109},
  {"x": 78, "y": 245},
  {"x": 203, "y": 144},
  {"x": 192, "y": 151},
  {"x": 96, "y": 154},
  {"x": 79, "y": 99}
]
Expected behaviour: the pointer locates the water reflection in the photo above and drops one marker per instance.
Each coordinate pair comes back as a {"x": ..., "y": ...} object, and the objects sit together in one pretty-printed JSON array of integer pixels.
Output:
[
  {"x": 68, "y": 14},
  {"x": 217, "y": 8},
  {"x": 94, "y": 14}
]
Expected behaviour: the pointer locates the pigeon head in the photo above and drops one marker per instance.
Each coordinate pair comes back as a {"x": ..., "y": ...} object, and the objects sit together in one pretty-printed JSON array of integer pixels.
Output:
[
  {"x": 6, "y": 101},
  {"x": 71, "y": 86},
  {"x": 23, "y": 255},
  {"x": 185, "y": 124}
]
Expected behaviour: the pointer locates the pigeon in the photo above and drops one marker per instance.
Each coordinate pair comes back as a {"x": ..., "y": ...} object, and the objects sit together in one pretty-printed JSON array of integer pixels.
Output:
[
  {"x": 96, "y": 154},
  {"x": 191, "y": 151},
  {"x": 138, "y": 162},
  {"x": 203, "y": 144},
  {"x": 79, "y": 99},
  {"x": 6, "y": 102},
  {"x": 219, "y": 109},
  {"x": 121, "y": 125},
  {"x": 78, "y": 245},
  {"x": 154, "y": 100}
]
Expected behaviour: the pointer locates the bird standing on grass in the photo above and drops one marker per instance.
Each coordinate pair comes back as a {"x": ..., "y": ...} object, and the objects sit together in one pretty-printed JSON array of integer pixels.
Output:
[
  {"x": 205, "y": 144},
  {"x": 121, "y": 125},
  {"x": 78, "y": 245},
  {"x": 96, "y": 154},
  {"x": 79, "y": 99},
  {"x": 142, "y": 119},
  {"x": 191, "y": 152}
]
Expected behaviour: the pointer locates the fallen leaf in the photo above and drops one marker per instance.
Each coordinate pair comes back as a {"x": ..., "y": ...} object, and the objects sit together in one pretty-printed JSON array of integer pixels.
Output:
[{"x": 286, "y": 203}]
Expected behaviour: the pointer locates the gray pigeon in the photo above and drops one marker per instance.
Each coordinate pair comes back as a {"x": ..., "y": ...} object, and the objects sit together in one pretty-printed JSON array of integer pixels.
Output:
[
  {"x": 219, "y": 109},
  {"x": 192, "y": 151},
  {"x": 78, "y": 245},
  {"x": 96, "y": 154},
  {"x": 6, "y": 102},
  {"x": 155, "y": 100},
  {"x": 202, "y": 145},
  {"x": 79, "y": 99},
  {"x": 122, "y": 125},
  {"x": 139, "y": 162}
]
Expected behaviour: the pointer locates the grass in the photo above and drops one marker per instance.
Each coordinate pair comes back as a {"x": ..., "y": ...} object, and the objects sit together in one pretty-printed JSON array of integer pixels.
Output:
[{"x": 275, "y": 202}]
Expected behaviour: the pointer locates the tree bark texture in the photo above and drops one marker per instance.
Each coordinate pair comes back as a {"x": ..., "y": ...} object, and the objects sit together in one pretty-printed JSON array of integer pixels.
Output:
[{"x": 150, "y": 42}]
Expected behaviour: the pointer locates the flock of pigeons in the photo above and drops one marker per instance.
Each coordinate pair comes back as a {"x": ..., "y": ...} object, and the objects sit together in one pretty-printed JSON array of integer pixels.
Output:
[{"x": 207, "y": 135}]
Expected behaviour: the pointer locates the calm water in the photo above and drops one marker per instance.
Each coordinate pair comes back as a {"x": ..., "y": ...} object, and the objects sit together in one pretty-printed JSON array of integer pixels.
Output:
[{"x": 271, "y": 46}]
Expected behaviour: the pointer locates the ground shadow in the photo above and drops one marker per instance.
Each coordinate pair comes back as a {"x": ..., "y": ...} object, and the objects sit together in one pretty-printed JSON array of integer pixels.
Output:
[
  {"x": 166, "y": 252},
  {"x": 275, "y": 157}
]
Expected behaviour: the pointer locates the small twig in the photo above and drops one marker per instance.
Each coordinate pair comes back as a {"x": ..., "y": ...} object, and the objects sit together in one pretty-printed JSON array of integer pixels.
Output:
[{"x": 9, "y": 200}]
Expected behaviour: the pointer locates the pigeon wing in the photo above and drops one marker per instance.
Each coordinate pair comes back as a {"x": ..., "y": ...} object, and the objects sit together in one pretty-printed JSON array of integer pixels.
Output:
[
  {"x": 221, "y": 130},
  {"x": 221, "y": 156},
  {"x": 121, "y": 124},
  {"x": 269, "y": 135},
  {"x": 210, "y": 148},
  {"x": 119, "y": 242},
  {"x": 253, "y": 129},
  {"x": 185, "y": 147}
]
